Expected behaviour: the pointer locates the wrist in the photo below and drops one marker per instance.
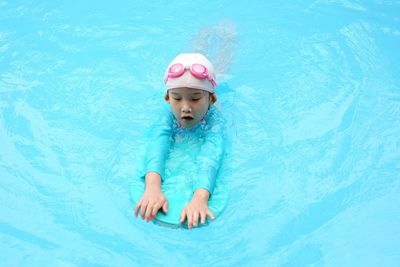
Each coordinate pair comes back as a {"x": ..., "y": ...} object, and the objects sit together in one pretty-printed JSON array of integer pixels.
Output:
[
  {"x": 153, "y": 181},
  {"x": 201, "y": 194}
]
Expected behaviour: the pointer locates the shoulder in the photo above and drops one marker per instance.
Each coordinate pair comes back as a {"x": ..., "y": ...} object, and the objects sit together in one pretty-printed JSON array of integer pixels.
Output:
[
  {"x": 162, "y": 121},
  {"x": 165, "y": 110},
  {"x": 164, "y": 115},
  {"x": 214, "y": 115},
  {"x": 214, "y": 121}
]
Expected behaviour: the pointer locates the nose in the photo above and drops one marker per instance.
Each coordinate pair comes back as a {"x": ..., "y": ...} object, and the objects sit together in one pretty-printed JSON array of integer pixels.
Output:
[{"x": 186, "y": 107}]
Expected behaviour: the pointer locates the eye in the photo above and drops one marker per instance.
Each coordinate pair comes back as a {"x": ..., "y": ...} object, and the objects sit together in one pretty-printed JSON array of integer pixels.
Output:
[
  {"x": 176, "y": 98},
  {"x": 195, "y": 99}
]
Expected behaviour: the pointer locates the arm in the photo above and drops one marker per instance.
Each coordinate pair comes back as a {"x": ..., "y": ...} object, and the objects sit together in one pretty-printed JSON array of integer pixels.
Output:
[
  {"x": 211, "y": 153},
  {"x": 158, "y": 144},
  {"x": 153, "y": 199},
  {"x": 209, "y": 160}
]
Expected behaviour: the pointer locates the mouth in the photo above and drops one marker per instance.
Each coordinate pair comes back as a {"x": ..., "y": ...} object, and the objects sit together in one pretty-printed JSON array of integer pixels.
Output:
[{"x": 187, "y": 118}]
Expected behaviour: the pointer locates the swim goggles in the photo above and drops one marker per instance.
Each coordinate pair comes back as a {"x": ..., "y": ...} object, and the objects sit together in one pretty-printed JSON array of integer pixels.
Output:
[{"x": 197, "y": 70}]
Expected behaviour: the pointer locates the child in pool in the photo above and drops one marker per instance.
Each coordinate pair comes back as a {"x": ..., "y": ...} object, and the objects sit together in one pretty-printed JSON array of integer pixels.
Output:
[{"x": 190, "y": 82}]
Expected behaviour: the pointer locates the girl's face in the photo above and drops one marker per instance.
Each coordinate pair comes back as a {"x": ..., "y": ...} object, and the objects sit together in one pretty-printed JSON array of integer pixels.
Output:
[{"x": 189, "y": 105}]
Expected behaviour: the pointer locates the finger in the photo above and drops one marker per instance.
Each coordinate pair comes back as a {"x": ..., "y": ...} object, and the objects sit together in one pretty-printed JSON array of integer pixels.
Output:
[
  {"x": 189, "y": 219},
  {"x": 149, "y": 209},
  {"x": 154, "y": 211},
  {"x": 210, "y": 215},
  {"x": 203, "y": 217},
  {"x": 183, "y": 216},
  {"x": 165, "y": 207},
  {"x": 195, "y": 219},
  {"x": 143, "y": 209},
  {"x": 137, "y": 208}
]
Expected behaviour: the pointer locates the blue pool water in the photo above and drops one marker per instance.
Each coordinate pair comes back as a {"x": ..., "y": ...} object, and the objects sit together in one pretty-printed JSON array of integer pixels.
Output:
[{"x": 314, "y": 102}]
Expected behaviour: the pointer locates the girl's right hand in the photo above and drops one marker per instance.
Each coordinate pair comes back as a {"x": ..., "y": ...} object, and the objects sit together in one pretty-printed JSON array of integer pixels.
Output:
[{"x": 153, "y": 199}]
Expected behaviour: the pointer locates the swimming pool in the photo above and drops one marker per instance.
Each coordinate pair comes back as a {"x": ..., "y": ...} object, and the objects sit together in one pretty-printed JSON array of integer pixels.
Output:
[{"x": 314, "y": 101}]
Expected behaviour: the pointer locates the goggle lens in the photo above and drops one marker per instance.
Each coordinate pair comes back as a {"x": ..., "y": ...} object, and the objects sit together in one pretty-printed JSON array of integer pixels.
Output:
[
  {"x": 197, "y": 68},
  {"x": 176, "y": 68}
]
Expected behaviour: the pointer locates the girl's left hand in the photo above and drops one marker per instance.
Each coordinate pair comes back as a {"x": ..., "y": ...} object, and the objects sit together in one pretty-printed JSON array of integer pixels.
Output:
[{"x": 197, "y": 209}]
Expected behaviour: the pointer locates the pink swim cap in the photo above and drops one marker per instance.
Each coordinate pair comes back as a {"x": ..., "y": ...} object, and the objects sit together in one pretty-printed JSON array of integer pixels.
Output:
[{"x": 187, "y": 79}]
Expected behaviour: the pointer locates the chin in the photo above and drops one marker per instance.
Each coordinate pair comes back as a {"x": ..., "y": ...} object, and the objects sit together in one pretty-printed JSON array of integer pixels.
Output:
[{"x": 189, "y": 125}]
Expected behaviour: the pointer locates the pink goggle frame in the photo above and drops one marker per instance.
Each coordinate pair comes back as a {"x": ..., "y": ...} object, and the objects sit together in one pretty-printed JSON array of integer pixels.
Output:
[{"x": 197, "y": 70}]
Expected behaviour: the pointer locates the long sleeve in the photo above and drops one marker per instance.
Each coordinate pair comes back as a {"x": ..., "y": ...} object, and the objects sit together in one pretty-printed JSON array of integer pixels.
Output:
[
  {"x": 159, "y": 143},
  {"x": 211, "y": 152}
]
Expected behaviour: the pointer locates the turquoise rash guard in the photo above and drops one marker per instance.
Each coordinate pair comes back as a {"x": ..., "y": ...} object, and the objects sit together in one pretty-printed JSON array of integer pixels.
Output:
[
  {"x": 209, "y": 133},
  {"x": 186, "y": 159}
]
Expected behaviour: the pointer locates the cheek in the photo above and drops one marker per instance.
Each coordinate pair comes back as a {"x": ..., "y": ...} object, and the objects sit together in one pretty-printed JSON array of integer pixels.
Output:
[
  {"x": 175, "y": 109},
  {"x": 203, "y": 107},
  {"x": 174, "y": 105}
]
